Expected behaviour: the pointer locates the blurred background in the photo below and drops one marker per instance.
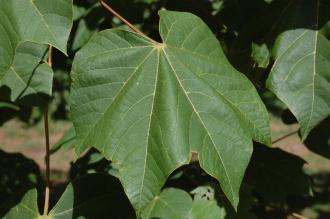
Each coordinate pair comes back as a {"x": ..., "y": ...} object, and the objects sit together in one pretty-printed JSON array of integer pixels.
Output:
[{"x": 289, "y": 180}]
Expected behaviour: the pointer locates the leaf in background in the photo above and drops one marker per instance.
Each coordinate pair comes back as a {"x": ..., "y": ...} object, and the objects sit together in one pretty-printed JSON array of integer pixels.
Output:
[
  {"x": 39, "y": 22},
  {"x": 87, "y": 25},
  {"x": 27, "y": 80},
  {"x": 147, "y": 106},
  {"x": 67, "y": 142},
  {"x": 171, "y": 203},
  {"x": 27, "y": 207},
  {"x": 79, "y": 200},
  {"x": 300, "y": 76},
  {"x": 177, "y": 204},
  {"x": 9, "y": 105},
  {"x": 206, "y": 209},
  {"x": 205, "y": 205},
  {"x": 260, "y": 54}
]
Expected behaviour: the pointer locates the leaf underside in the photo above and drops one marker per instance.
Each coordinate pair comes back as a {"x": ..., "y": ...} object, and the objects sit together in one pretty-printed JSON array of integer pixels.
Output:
[{"x": 147, "y": 106}]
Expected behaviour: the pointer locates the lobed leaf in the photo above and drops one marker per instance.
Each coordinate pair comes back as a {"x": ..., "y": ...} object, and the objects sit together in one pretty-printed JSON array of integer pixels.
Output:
[{"x": 147, "y": 106}]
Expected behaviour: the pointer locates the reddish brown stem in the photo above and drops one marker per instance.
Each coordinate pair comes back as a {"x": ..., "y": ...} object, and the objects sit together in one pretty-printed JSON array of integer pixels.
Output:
[
  {"x": 47, "y": 156},
  {"x": 116, "y": 14}
]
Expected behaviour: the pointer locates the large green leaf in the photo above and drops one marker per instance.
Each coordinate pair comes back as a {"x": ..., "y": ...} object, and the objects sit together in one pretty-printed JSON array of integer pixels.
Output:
[
  {"x": 38, "y": 21},
  {"x": 177, "y": 204},
  {"x": 106, "y": 198},
  {"x": 147, "y": 106},
  {"x": 300, "y": 76}
]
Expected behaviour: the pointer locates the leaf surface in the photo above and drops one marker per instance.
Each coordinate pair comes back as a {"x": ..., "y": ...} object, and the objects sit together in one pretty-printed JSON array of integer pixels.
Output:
[
  {"x": 177, "y": 204},
  {"x": 260, "y": 54},
  {"x": 27, "y": 208},
  {"x": 147, "y": 106},
  {"x": 300, "y": 76},
  {"x": 27, "y": 81},
  {"x": 37, "y": 21}
]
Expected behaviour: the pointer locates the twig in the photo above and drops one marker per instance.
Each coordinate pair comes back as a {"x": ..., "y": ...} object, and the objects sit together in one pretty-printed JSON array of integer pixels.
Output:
[
  {"x": 47, "y": 180},
  {"x": 50, "y": 53},
  {"x": 298, "y": 216},
  {"x": 116, "y": 14},
  {"x": 285, "y": 136}
]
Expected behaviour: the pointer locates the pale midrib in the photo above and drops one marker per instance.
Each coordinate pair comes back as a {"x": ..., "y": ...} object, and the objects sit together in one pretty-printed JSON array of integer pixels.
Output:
[
  {"x": 314, "y": 70},
  {"x": 153, "y": 203},
  {"x": 25, "y": 84},
  {"x": 170, "y": 207},
  {"x": 171, "y": 26},
  {"x": 234, "y": 106},
  {"x": 196, "y": 112},
  {"x": 284, "y": 52},
  {"x": 114, "y": 98},
  {"x": 148, "y": 133},
  {"x": 29, "y": 209},
  {"x": 45, "y": 22}
]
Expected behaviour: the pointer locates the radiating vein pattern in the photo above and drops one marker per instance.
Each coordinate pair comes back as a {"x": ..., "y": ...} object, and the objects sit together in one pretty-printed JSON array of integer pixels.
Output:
[
  {"x": 146, "y": 107},
  {"x": 177, "y": 204},
  {"x": 300, "y": 76}
]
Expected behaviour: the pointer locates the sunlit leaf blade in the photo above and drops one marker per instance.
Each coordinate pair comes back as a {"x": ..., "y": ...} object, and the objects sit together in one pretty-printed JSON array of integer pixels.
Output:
[
  {"x": 177, "y": 204},
  {"x": 300, "y": 76},
  {"x": 146, "y": 107},
  {"x": 39, "y": 21},
  {"x": 27, "y": 81}
]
